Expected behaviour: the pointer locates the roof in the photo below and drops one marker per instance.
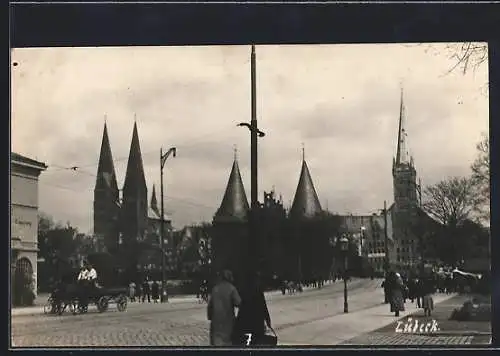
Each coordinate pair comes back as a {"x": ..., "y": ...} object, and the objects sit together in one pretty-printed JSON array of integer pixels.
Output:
[
  {"x": 135, "y": 180},
  {"x": 20, "y": 159},
  {"x": 106, "y": 175},
  {"x": 154, "y": 215},
  {"x": 234, "y": 205},
  {"x": 305, "y": 203}
]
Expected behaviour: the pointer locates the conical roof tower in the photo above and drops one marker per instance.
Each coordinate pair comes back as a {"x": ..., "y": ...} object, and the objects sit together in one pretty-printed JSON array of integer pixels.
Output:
[
  {"x": 134, "y": 178},
  {"x": 234, "y": 206},
  {"x": 305, "y": 203},
  {"x": 135, "y": 194},
  {"x": 106, "y": 176},
  {"x": 154, "y": 202},
  {"x": 106, "y": 207}
]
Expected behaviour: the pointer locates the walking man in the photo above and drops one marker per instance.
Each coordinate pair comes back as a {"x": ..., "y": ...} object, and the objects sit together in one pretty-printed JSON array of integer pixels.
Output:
[{"x": 220, "y": 311}]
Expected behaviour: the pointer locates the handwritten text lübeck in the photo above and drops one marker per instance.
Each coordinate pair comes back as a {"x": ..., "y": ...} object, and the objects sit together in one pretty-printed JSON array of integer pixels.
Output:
[{"x": 414, "y": 326}]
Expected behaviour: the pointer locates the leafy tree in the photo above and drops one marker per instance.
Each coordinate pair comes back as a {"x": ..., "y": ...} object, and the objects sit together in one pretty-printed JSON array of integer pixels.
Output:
[
  {"x": 481, "y": 179},
  {"x": 58, "y": 246},
  {"x": 451, "y": 202}
]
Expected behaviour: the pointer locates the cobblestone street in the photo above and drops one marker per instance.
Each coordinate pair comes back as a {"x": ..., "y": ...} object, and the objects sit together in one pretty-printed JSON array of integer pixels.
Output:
[
  {"x": 314, "y": 317},
  {"x": 180, "y": 324}
]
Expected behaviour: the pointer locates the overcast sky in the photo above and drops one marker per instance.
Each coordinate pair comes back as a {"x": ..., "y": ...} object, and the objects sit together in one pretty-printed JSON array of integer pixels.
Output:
[{"x": 341, "y": 101}]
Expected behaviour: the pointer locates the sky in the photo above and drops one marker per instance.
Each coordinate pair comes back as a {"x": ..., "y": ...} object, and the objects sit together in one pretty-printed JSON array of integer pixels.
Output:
[{"x": 339, "y": 102}]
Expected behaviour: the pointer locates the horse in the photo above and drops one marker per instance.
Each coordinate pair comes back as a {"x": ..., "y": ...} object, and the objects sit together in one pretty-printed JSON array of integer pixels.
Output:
[{"x": 65, "y": 295}]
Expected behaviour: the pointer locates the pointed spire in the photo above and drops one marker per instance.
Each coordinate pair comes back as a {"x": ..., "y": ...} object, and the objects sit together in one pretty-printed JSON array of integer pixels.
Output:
[
  {"x": 134, "y": 178},
  {"x": 305, "y": 203},
  {"x": 154, "y": 202},
  {"x": 235, "y": 148},
  {"x": 303, "y": 152},
  {"x": 402, "y": 152},
  {"x": 234, "y": 206},
  {"x": 106, "y": 176}
]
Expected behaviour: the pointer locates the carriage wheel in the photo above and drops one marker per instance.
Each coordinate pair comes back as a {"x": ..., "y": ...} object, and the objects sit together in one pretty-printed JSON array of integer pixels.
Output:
[
  {"x": 102, "y": 304},
  {"x": 121, "y": 303}
]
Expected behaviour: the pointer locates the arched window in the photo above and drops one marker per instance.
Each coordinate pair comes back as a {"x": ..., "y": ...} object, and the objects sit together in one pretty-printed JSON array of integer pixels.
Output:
[{"x": 24, "y": 269}]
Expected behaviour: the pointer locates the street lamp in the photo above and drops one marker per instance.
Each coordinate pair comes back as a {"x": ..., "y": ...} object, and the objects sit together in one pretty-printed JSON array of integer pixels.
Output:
[
  {"x": 163, "y": 160},
  {"x": 344, "y": 248}
]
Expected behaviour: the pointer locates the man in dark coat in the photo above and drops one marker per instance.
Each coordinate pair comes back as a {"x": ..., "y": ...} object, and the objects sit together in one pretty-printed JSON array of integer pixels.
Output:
[
  {"x": 253, "y": 315},
  {"x": 220, "y": 311}
]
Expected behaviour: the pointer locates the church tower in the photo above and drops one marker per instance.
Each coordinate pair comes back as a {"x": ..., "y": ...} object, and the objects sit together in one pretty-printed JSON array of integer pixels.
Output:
[
  {"x": 403, "y": 170},
  {"x": 135, "y": 195},
  {"x": 106, "y": 197}
]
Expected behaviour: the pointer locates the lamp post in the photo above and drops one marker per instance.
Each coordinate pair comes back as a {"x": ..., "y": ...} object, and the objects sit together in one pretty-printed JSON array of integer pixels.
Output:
[
  {"x": 255, "y": 133},
  {"x": 163, "y": 160},
  {"x": 344, "y": 248},
  {"x": 386, "y": 241}
]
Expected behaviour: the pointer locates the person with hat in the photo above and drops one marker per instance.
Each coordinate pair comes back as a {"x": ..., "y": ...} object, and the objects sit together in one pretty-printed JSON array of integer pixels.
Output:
[
  {"x": 220, "y": 311},
  {"x": 397, "y": 295}
]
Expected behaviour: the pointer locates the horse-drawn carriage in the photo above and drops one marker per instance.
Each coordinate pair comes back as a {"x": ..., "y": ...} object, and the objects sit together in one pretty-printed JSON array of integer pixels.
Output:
[{"x": 76, "y": 299}]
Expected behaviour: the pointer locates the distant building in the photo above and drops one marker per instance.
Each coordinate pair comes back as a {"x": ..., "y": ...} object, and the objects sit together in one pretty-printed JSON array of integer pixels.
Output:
[
  {"x": 24, "y": 176},
  {"x": 368, "y": 234}
]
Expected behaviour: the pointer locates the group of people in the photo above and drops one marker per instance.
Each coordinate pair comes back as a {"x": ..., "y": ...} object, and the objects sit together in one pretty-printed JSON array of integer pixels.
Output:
[
  {"x": 398, "y": 289},
  {"x": 148, "y": 289},
  {"x": 248, "y": 327},
  {"x": 87, "y": 280}
]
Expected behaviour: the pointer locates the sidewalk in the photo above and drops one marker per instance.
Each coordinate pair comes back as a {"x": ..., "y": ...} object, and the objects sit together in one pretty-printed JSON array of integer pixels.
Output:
[
  {"x": 346, "y": 328},
  {"x": 446, "y": 331}
]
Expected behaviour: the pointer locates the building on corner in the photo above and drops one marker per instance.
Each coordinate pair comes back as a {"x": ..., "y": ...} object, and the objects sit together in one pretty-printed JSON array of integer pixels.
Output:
[{"x": 24, "y": 174}]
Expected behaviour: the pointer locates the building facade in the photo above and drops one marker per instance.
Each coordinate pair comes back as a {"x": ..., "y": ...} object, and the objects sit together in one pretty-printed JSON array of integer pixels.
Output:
[
  {"x": 368, "y": 233},
  {"x": 24, "y": 176}
]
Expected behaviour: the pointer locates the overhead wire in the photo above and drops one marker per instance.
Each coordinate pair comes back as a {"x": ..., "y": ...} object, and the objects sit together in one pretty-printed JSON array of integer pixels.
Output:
[
  {"x": 182, "y": 200},
  {"x": 190, "y": 142}
]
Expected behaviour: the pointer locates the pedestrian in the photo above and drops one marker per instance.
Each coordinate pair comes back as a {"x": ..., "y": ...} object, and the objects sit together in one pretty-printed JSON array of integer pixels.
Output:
[
  {"x": 427, "y": 300},
  {"x": 386, "y": 285},
  {"x": 139, "y": 292},
  {"x": 146, "y": 291},
  {"x": 220, "y": 311},
  {"x": 397, "y": 294},
  {"x": 155, "y": 291},
  {"x": 253, "y": 315},
  {"x": 131, "y": 291}
]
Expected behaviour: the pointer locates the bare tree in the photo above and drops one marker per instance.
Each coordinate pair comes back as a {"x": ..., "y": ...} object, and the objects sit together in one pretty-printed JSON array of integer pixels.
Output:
[
  {"x": 450, "y": 201},
  {"x": 481, "y": 179},
  {"x": 467, "y": 55}
]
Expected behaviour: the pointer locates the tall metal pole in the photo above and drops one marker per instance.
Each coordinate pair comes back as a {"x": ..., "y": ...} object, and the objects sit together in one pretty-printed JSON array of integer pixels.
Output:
[
  {"x": 346, "y": 305},
  {"x": 254, "y": 243},
  {"x": 255, "y": 133},
  {"x": 162, "y": 232},
  {"x": 163, "y": 159},
  {"x": 386, "y": 240},
  {"x": 421, "y": 232}
]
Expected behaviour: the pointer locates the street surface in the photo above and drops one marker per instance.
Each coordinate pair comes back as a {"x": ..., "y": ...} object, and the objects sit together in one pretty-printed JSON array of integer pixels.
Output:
[
  {"x": 314, "y": 317},
  {"x": 183, "y": 324}
]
